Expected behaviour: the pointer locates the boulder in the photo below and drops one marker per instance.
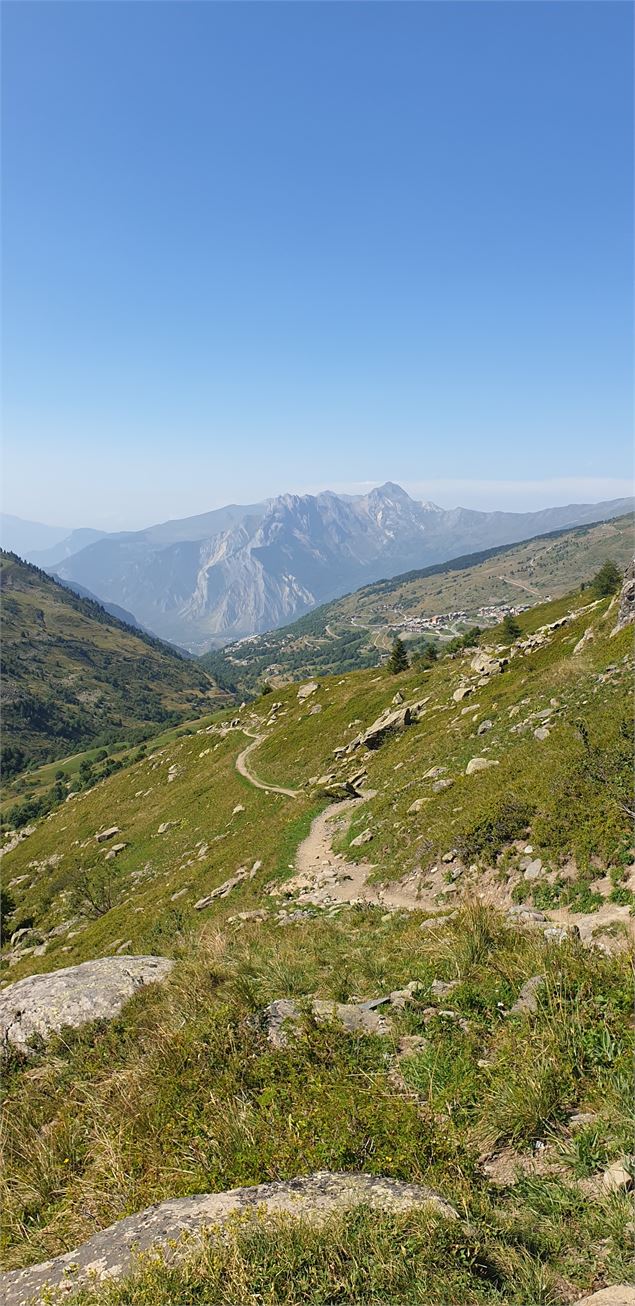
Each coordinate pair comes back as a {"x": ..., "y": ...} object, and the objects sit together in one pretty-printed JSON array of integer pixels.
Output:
[
  {"x": 462, "y": 692},
  {"x": 479, "y": 764},
  {"x": 107, "y": 834},
  {"x": 95, "y": 990},
  {"x": 486, "y": 664},
  {"x": 110, "y": 1254},
  {"x": 484, "y": 727},
  {"x": 305, "y": 691}
]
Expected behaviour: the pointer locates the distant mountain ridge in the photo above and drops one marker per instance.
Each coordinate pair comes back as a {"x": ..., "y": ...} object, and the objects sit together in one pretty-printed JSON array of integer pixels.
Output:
[{"x": 237, "y": 571}]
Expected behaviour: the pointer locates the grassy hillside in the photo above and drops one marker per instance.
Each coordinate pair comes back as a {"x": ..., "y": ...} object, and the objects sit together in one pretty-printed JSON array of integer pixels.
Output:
[
  {"x": 355, "y": 631},
  {"x": 184, "y": 1093},
  {"x": 74, "y": 676}
]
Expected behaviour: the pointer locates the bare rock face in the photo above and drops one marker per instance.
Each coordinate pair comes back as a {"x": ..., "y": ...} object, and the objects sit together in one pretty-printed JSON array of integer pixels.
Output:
[
  {"x": 626, "y": 612},
  {"x": 110, "y": 1253},
  {"x": 95, "y": 990}
]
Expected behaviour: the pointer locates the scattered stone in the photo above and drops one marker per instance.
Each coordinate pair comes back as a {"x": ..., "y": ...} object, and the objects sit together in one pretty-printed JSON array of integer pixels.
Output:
[
  {"x": 484, "y": 727},
  {"x": 224, "y": 889},
  {"x": 115, "y": 850},
  {"x": 527, "y": 1002},
  {"x": 398, "y": 698},
  {"x": 580, "y": 1120},
  {"x": 560, "y": 933},
  {"x": 107, "y": 834},
  {"x": 435, "y": 922},
  {"x": 618, "y": 1179},
  {"x": 462, "y": 692},
  {"x": 95, "y": 990},
  {"x": 416, "y": 806},
  {"x": 522, "y": 913},
  {"x": 434, "y": 772},
  {"x": 363, "y": 838},
  {"x": 165, "y": 826},
  {"x": 479, "y": 764},
  {"x": 533, "y": 870},
  {"x": 238, "y": 809},
  {"x": 317, "y": 707},
  {"x": 440, "y": 785},
  {"x": 542, "y": 733},
  {"x": 487, "y": 665},
  {"x": 110, "y": 1254},
  {"x": 409, "y": 1044},
  {"x": 440, "y": 988}
]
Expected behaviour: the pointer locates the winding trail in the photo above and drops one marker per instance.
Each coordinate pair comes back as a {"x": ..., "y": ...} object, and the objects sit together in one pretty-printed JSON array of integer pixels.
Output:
[{"x": 243, "y": 768}]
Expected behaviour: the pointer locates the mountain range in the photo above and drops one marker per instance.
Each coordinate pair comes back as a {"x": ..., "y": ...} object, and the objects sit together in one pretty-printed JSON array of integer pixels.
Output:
[{"x": 204, "y": 581}]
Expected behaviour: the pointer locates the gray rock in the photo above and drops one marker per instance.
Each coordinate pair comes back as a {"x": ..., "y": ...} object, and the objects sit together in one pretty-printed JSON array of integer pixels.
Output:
[
  {"x": 111, "y": 1253},
  {"x": 487, "y": 665},
  {"x": 440, "y": 785},
  {"x": 305, "y": 691},
  {"x": 107, "y": 834},
  {"x": 95, "y": 990},
  {"x": 533, "y": 870},
  {"x": 626, "y": 612},
  {"x": 462, "y": 692},
  {"x": 484, "y": 727},
  {"x": 527, "y": 1002},
  {"x": 542, "y": 733},
  {"x": 434, "y": 772}
]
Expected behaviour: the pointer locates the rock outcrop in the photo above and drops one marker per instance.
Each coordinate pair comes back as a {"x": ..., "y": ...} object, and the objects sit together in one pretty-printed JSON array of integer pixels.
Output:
[
  {"x": 41, "y": 1005},
  {"x": 626, "y": 611},
  {"x": 111, "y": 1253}
]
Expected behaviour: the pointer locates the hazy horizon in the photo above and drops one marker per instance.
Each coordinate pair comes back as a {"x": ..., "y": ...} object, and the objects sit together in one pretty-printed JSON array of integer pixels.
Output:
[{"x": 500, "y": 497}]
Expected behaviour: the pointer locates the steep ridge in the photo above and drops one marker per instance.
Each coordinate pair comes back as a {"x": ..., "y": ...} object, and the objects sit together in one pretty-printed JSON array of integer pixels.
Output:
[
  {"x": 241, "y": 570},
  {"x": 74, "y": 675},
  {"x": 460, "y": 1028}
]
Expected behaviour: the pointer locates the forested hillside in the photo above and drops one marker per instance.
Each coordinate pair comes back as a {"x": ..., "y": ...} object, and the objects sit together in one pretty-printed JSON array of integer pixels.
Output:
[{"x": 73, "y": 675}]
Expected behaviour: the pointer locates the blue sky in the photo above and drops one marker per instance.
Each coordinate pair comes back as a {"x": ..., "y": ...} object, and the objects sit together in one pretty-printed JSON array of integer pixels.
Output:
[{"x": 258, "y": 247}]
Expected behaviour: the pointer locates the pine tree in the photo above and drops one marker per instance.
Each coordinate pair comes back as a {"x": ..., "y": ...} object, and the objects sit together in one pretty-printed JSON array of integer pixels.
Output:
[
  {"x": 607, "y": 580},
  {"x": 398, "y": 660},
  {"x": 511, "y": 629}
]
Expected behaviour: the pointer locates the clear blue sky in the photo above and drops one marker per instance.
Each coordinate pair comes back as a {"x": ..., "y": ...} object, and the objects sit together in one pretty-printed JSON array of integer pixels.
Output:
[{"x": 257, "y": 247}]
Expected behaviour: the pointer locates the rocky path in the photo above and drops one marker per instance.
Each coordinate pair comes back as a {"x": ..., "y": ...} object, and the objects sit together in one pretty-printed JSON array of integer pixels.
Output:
[
  {"x": 324, "y": 878},
  {"x": 244, "y": 770}
]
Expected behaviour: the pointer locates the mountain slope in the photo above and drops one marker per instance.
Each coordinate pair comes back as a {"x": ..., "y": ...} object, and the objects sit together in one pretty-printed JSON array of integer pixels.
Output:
[
  {"x": 73, "y": 543},
  {"x": 242, "y": 570},
  {"x": 436, "y": 602},
  {"x": 445, "y": 897},
  {"x": 74, "y": 675}
]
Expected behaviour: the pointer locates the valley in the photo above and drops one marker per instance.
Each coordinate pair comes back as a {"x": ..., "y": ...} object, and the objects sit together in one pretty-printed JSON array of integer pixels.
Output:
[
  {"x": 395, "y": 914},
  {"x": 205, "y": 581},
  {"x": 435, "y": 604}
]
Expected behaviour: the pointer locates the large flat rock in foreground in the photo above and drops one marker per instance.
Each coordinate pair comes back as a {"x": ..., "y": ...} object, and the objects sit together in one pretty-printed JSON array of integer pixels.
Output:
[
  {"x": 95, "y": 990},
  {"x": 110, "y": 1254}
]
